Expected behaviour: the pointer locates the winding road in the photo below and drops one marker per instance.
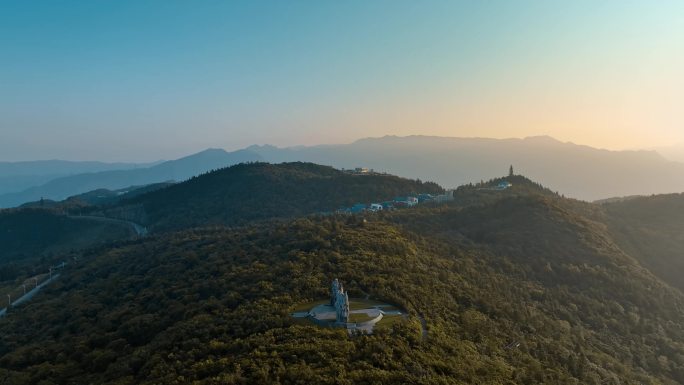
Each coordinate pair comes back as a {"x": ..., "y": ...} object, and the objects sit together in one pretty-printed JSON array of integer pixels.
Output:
[{"x": 140, "y": 230}]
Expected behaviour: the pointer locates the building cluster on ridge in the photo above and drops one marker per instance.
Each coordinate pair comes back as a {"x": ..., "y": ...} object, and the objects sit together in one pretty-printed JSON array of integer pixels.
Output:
[
  {"x": 411, "y": 200},
  {"x": 363, "y": 171},
  {"x": 398, "y": 202}
]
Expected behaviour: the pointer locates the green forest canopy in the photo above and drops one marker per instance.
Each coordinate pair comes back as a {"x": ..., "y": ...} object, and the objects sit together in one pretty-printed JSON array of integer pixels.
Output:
[{"x": 212, "y": 305}]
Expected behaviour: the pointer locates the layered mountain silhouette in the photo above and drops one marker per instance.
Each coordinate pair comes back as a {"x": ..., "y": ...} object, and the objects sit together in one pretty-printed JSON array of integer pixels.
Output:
[
  {"x": 175, "y": 170},
  {"x": 18, "y": 176},
  {"x": 674, "y": 152},
  {"x": 577, "y": 171}
]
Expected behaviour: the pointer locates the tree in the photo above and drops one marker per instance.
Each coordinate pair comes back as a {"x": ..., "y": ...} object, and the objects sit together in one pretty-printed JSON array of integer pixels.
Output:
[{"x": 510, "y": 171}]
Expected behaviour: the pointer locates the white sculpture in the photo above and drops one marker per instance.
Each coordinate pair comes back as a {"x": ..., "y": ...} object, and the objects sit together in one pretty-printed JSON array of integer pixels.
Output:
[
  {"x": 333, "y": 291},
  {"x": 340, "y": 300}
]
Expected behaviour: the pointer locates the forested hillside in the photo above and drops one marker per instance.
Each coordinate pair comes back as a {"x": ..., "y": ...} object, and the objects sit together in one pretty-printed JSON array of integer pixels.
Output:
[
  {"x": 32, "y": 233},
  {"x": 255, "y": 191},
  {"x": 232, "y": 196},
  {"x": 518, "y": 290},
  {"x": 652, "y": 230}
]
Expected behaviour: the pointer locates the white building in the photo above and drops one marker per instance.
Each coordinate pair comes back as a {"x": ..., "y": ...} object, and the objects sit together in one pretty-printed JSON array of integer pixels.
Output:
[{"x": 375, "y": 207}]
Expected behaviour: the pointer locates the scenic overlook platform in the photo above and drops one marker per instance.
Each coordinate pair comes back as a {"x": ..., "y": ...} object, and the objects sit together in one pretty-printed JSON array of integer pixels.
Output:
[{"x": 354, "y": 314}]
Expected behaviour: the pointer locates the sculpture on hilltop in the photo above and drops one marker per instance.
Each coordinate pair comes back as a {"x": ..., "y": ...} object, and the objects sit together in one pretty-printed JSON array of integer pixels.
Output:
[{"x": 340, "y": 300}]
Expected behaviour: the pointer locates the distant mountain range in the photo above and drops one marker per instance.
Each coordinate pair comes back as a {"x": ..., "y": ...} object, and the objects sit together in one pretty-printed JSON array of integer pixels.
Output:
[
  {"x": 674, "y": 152},
  {"x": 574, "y": 170},
  {"x": 175, "y": 170},
  {"x": 17, "y": 176},
  {"x": 577, "y": 171}
]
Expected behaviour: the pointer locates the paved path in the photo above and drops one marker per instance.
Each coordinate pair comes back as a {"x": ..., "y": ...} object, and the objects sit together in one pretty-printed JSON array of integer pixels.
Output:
[
  {"x": 324, "y": 312},
  {"x": 29, "y": 294},
  {"x": 392, "y": 312},
  {"x": 139, "y": 229}
]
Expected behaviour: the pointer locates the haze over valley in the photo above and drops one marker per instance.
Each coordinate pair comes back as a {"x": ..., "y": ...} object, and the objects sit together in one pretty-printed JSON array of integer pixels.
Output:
[{"x": 577, "y": 171}]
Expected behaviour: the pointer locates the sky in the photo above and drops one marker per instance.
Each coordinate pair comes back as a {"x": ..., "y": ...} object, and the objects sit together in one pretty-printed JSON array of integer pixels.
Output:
[{"x": 141, "y": 80}]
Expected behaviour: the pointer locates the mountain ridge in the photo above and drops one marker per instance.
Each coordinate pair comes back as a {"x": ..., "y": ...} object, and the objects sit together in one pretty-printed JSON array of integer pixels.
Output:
[
  {"x": 231, "y": 196},
  {"x": 575, "y": 170},
  {"x": 246, "y": 192},
  {"x": 17, "y": 176},
  {"x": 178, "y": 170}
]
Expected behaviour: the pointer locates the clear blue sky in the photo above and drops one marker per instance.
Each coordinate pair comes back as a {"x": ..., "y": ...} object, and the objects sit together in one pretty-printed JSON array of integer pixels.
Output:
[{"x": 143, "y": 80}]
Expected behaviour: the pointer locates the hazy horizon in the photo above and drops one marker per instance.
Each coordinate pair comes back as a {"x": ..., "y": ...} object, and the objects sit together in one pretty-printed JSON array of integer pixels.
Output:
[
  {"x": 148, "y": 80},
  {"x": 670, "y": 153}
]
